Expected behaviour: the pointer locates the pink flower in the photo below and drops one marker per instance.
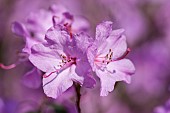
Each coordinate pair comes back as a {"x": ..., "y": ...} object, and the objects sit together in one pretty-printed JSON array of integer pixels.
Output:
[
  {"x": 106, "y": 56},
  {"x": 63, "y": 59}
]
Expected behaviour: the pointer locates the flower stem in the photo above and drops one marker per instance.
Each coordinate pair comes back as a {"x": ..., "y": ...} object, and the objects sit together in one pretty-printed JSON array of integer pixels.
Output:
[{"x": 77, "y": 89}]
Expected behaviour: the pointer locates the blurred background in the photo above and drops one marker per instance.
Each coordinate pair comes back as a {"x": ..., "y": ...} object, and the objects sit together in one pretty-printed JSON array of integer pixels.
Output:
[{"x": 147, "y": 27}]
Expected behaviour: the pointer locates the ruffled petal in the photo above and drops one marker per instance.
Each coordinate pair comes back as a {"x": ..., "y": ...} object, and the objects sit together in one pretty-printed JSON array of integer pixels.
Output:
[
  {"x": 45, "y": 58},
  {"x": 84, "y": 69},
  {"x": 124, "y": 66},
  {"x": 119, "y": 47},
  {"x": 103, "y": 31},
  {"x": 115, "y": 71},
  {"x": 107, "y": 82},
  {"x": 58, "y": 36},
  {"x": 91, "y": 54},
  {"x": 116, "y": 43},
  {"x": 82, "y": 42},
  {"x": 55, "y": 84}
]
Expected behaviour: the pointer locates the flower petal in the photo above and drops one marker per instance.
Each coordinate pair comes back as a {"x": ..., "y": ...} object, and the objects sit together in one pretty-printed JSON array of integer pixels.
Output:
[
  {"x": 32, "y": 79},
  {"x": 84, "y": 69},
  {"x": 45, "y": 58},
  {"x": 115, "y": 71},
  {"x": 91, "y": 53},
  {"x": 125, "y": 66},
  {"x": 119, "y": 47},
  {"x": 107, "y": 82},
  {"x": 82, "y": 42},
  {"x": 103, "y": 31},
  {"x": 116, "y": 43},
  {"x": 57, "y": 35},
  {"x": 19, "y": 29},
  {"x": 55, "y": 85}
]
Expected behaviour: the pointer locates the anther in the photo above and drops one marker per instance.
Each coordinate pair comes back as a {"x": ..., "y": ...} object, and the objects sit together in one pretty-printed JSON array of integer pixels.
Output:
[{"x": 107, "y": 56}]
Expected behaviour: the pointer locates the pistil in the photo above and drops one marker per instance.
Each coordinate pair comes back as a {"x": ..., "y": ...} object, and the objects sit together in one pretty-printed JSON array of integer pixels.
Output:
[{"x": 108, "y": 58}]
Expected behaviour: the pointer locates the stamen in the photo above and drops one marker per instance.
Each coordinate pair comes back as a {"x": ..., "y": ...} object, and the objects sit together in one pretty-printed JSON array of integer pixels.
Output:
[
  {"x": 108, "y": 58},
  {"x": 124, "y": 55},
  {"x": 45, "y": 76},
  {"x": 66, "y": 65}
]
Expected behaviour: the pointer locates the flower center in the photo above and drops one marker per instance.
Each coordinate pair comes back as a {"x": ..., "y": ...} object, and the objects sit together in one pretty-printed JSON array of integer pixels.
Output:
[
  {"x": 66, "y": 62},
  {"x": 104, "y": 60}
]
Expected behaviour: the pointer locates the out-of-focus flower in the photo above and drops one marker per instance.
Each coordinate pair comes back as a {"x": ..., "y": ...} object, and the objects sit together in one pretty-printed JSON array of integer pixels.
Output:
[
  {"x": 107, "y": 104},
  {"x": 162, "y": 19},
  {"x": 2, "y": 105},
  {"x": 37, "y": 23},
  {"x": 8, "y": 106},
  {"x": 106, "y": 56},
  {"x": 151, "y": 67},
  {"x": 128, "y": 16},
  {"x": 62, "y": 58},
  {"x": 163, "y": 109}
]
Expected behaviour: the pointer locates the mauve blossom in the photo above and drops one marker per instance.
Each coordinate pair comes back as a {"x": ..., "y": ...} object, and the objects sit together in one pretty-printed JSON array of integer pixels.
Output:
[
  {"x": 64, "y": 60},
  {"x": 106, "y": 56}
]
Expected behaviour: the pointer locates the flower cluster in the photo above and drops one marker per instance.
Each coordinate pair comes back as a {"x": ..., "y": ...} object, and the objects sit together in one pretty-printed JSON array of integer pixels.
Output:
[
  {"x": 57, "y": 43},
  {"x": 33, "y": 32}
]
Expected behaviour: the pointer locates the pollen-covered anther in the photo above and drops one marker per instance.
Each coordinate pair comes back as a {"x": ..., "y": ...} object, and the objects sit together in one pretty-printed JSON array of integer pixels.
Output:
[{"x": 108, "y": 58}]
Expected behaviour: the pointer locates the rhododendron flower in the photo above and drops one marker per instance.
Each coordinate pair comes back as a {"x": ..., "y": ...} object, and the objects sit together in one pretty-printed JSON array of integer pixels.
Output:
[
  {"x": 106, "y": 56},
  {"x": 63, "y": 59},
  {"x": 37, "y": 23}
]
